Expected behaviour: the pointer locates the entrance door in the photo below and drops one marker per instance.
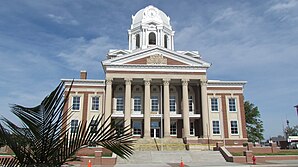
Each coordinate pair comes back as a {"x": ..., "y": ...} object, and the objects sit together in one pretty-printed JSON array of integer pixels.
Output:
[
  {"x": 155, "y": 129},
  {"x": 155, "y": 133}
]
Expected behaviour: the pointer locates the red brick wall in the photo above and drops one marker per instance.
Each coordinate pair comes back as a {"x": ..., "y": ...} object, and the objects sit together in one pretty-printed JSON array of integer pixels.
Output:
[
  {"x": 225, "y": 118},
  {"x": 242, "y": 113}
]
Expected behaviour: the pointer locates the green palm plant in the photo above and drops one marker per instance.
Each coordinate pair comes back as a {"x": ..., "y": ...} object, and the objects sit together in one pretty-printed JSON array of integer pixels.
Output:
[{"x": 45, "y": 139}]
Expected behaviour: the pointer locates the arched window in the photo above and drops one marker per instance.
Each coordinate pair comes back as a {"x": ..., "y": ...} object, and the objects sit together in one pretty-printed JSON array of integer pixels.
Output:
[
  {"x": 166, "y": 41},
  {"x": 152, "y": 38},
  {"x": 138, "y": 41}
]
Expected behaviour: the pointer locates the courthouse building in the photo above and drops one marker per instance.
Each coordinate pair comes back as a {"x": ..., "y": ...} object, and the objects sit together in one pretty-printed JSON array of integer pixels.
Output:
[{"x": 160, "y": 92}]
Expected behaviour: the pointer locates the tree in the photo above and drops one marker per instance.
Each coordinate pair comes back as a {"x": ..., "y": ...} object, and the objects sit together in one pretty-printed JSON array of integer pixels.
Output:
[
  {"x": 45, "y": 139},
  {"x": 292, "y": 131},
  {"x": 254, "y": 125}
]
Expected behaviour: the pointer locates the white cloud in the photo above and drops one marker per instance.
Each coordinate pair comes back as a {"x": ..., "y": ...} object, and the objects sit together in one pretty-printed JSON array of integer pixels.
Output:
[
  {"x": 63, "y": 20},
  {"x": 85, "y": 54},
  {"x": 283, "y": 5},
  {"x": 224, "y": 15}
]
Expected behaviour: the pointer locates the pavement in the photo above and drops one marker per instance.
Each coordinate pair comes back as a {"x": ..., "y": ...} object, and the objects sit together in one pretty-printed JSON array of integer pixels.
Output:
[
  {"x": 189, "y": 158},
  {"x": 173, "y": 159}
]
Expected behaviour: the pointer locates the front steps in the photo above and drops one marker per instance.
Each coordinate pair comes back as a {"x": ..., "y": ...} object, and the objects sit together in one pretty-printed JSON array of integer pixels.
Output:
[{"x": 159, "y": 144}]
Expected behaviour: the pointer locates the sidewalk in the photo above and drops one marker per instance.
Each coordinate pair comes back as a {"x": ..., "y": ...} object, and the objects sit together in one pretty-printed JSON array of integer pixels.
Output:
[
  {"x": 190, "y": 159},
  {"x": 173, "y": 159}
]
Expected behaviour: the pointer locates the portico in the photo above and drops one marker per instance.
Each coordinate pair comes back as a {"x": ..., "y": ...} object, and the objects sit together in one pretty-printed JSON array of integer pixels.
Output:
[{"x": 157, "y": 107}]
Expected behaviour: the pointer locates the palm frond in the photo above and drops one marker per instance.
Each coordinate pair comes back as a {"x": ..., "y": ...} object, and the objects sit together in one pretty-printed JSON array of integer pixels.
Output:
[{"x": 45, "y": 137}]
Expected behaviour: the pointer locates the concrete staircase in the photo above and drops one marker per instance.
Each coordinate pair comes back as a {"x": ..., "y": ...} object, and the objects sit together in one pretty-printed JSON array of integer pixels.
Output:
[{"x": 159, "y": 144}]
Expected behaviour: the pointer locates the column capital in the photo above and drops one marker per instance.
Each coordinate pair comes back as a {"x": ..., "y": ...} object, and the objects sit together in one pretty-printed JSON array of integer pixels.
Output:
[
  {"x": 147, "y": 81},
  {"x": 128, "y": 81},
  {"x": 185, "y": 82},
  {"x": 203, "y": 82},
  {"x": 109, "y": 81},
  {"x": 166, "y": 82}
]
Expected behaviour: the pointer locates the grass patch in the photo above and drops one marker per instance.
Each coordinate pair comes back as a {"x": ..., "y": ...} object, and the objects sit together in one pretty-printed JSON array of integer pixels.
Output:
[
  {"x": 107, "y": 154},
  {"x": 284, "y": 152},
  {"x": 237, "y": 153},
  {"x": 6, "y": 154}
]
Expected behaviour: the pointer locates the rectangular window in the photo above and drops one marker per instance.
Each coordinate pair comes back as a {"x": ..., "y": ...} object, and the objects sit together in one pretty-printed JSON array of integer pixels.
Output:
[
  {"x": 95, "y": 103},
  {"x": 172, "y": 104},
  {"x": 93, "y": 127},
  {"x": 215, "y": 127},
  {"x": 120, "y": 104},
  {"x": 192, "y": 128},
  {"x": 76, "y": 103},
  {"x": 232, "y": 104},
  {"x": 137, "y": 128},
  {"x": 190, "y": 104},
  {"x": 173, "y": 128},
  {"x": 154, "y": 103},
  {"x": 119, "y": 126},
  {"x": 234, "y": 127},
  {"x": 137, "y": 104},
  {"x": 74, "y": 124},
  {"x": 214, "y": 104}
]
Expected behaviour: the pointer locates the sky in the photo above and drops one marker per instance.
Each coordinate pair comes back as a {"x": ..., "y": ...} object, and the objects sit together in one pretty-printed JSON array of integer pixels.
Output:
[{"x": 43, "y": 41}]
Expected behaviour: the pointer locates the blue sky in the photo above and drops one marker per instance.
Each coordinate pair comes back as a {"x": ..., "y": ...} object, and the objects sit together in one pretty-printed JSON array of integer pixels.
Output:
[{"x": 257, "y": 41}]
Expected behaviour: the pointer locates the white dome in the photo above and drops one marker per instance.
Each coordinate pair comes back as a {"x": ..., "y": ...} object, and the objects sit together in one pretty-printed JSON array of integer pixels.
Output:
[{"x": 148, "y": 15}]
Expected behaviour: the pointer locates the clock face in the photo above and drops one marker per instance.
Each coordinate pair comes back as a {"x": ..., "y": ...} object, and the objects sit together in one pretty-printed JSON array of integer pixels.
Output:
[{"x": 152, "y": 13}]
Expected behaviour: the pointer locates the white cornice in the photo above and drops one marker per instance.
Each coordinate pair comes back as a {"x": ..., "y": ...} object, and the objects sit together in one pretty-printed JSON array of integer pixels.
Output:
[
  {"x": 218, "y": 83},
  {"x": 138, "y": 67},
  {"x": 84, "y": 82}
]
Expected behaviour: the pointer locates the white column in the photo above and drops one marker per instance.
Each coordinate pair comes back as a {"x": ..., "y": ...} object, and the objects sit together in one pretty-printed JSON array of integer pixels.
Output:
[
  {"x": 205, "y": 114},
  {"x": 185, "y": 114},
  {"x": 166, "y": 83},
  {"x": 162, "y": 38},
  {"x": 157, "y": 37},
  {"x": 143, "y": 39},
  {"x": 147, "y": 103},
  {"x": 108, "y": 110},
  {"x": 127, "y": 112},
  {"x": 172, "y": 42}
]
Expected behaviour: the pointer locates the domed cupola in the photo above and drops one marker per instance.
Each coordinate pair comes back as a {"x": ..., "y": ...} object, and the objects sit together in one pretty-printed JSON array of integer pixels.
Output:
[{"x": 150, "y": 26}]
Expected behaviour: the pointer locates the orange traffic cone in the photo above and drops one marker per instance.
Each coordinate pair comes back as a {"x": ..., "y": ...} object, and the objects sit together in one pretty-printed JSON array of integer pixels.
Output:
[
  {"x": 181, "y": 163},
  {"x": 89, "y": 164}
]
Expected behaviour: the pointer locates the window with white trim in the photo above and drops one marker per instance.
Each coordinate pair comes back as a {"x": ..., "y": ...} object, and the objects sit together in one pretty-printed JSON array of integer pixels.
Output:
[
  {"x": 215, "y": 127},
  {"x": 93, "y": 126},
  {"x": 234, "y": 127},
  {"x": 152, "y": 38},
  {"x": 137, "y": 41},
  {"x": 120, "y": 104},
  {"x": 74, "y": 124},
  {"x": 192, "y": 128},
  {"x": 154, "y": 103},
  {"x": 137, "y": 104},
  {"x": 173, "y": 128},
  {"x": 190, "y": 104},
  {"x": 76, "y": 100},
  {"x": 232, "y": 104},
  {"x": 137, "y": 128},
  {"x": 95, "y": 103},
  {"x": 172, "y": 104},
  {"x": 214, "y": 104},
  {"x": 165, "y": 41}
]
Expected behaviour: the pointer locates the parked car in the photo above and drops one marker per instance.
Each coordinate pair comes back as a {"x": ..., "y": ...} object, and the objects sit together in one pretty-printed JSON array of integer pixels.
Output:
[{"x": 293, "y": 145}]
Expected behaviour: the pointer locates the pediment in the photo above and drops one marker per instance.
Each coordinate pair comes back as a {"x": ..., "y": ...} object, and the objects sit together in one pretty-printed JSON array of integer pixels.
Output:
[
  {"x": 157, "y": 59},
  {"x": 157, "y": 56}
]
